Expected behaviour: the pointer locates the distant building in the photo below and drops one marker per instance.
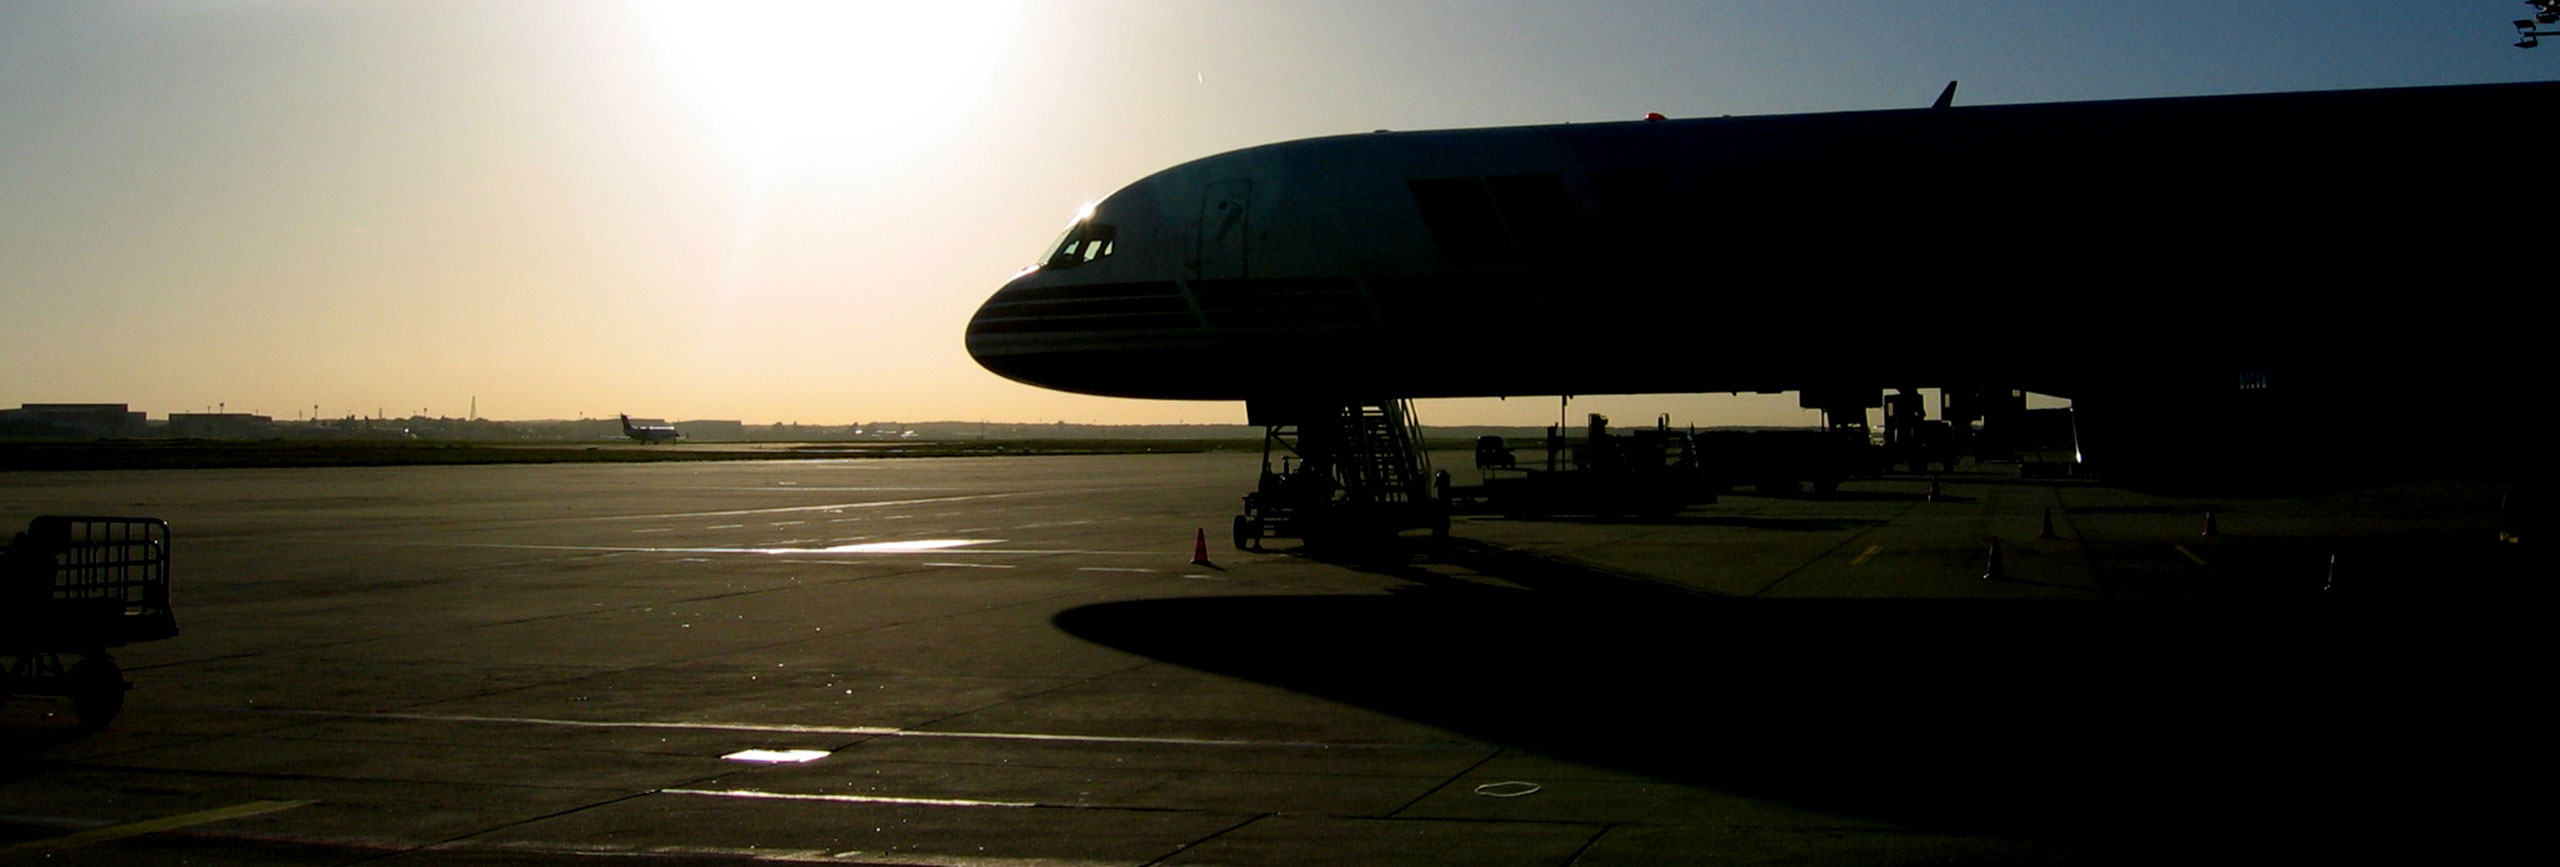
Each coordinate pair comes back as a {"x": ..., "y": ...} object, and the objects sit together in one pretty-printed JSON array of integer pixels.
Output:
[
  {"x": 713, "y": 430},
  {"x": 221, "y": 426},
  {"x": 92, "y": 420}
]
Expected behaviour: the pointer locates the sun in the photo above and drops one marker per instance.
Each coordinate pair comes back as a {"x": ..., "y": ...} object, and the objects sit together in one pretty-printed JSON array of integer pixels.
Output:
[{"x": 793, "y": 84}]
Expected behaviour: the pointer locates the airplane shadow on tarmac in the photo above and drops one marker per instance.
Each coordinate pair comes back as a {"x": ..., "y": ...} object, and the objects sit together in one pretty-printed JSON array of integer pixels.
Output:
[{"x": 2135, "y": 723}]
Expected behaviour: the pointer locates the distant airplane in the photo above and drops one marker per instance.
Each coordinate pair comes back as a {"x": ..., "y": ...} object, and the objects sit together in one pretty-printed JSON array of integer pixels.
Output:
[
  {"x": 650, "y": 433},
  {"x": 2222, "y": 284}
]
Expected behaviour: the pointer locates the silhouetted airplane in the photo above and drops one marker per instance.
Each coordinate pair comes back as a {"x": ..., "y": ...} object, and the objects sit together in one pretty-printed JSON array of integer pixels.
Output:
[
  {"x": 2219, "y": 284},
  {"x": 649, "y": 433}
]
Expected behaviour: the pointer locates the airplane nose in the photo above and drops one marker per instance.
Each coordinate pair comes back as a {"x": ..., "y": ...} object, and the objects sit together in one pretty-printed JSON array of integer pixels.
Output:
[
  {"x": 984, "y": 346},
  {"x": 1007, "y": 335},
  {"x": 1110, "y": 338}
]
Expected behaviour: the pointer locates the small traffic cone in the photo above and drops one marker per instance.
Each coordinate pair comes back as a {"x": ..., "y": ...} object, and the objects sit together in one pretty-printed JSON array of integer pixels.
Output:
[
  {"x": 2210, "y": 529},
  {"x": 1200, "y": 547},
  {"x": 2047, "y": 534},
  {"x": 1993, "y": 572}
]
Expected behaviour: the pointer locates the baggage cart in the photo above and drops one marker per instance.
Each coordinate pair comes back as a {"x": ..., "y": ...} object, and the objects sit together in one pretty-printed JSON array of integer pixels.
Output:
[{"x": 75, "y": 586}]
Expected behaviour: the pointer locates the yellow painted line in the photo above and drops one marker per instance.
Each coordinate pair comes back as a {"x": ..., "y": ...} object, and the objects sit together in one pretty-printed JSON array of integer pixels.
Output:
[
  {"x": 2191, "y": 555},
  {"x": 95, "y": 836},
  {"x": 1861, "y": 559}
]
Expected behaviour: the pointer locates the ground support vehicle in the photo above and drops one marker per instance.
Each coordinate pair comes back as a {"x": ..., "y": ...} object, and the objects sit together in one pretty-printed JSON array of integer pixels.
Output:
[
  {"x": 77, "y": 585},
  {"x": 1646, "y": 472},
  {"x": 1779, "y": 460}
]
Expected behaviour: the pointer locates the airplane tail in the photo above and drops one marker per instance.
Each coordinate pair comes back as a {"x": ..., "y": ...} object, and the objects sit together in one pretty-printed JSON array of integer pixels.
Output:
[{"x": 626, "y": 423}]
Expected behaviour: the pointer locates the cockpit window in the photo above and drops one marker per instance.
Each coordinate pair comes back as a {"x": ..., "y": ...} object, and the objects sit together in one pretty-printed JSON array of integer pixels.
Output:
[{"x": 1085, "y": 241}]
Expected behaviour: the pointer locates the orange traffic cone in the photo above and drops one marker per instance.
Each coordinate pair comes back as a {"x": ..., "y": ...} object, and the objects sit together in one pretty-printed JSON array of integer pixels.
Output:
[
  {"x": 1200, "y": 547},
  {"x": 2047, "y": 534},
  {"x": 2209, "y": 528},
  {"x": 1993, "y": 572}
]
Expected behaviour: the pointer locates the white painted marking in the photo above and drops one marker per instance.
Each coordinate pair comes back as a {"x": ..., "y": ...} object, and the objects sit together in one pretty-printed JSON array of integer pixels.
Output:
[
  {"x": 1508, "y": 789},
  {"x": 777, "y": 756},
  {"x": 768, "y": 855},
  {"x": 883, "y": 731},
  {"x": 634, "y": 549},
  {"x": 788, "y": 523},
  {"x": 655, "y": 530},
  {"x": 908, "y": 545},
  {"x": 820, "y": 507},
  {"x": 724, "y": 526},
  {"x": 804, "y": 489},
  {"x": 1049, "y": 524},
  {"x": 972, "y": 565},
  {"x": 854, "y": 799}
]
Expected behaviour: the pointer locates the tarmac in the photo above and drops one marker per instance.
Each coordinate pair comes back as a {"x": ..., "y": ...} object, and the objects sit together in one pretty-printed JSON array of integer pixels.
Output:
[{"x": 1015, "y": 661}]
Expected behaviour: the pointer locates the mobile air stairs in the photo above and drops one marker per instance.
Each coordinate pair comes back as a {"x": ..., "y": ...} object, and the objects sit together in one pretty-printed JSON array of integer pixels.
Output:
[{"x": 1348, "y": 473}]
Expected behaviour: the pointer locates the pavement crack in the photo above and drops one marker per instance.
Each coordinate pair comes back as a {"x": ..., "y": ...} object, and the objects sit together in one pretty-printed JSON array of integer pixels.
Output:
[
  {"x": 1230, "y": 829},
  {"x": 1452, "y": 780},
  {"x": 1827, "y": 553}
]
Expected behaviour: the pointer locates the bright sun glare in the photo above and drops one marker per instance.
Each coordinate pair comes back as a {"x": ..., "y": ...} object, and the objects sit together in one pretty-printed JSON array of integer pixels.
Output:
[{"x": 815, "y": 84}]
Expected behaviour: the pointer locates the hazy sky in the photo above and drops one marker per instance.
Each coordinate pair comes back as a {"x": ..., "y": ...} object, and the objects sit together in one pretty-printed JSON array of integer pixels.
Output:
[{"x": 788, "y": 211}]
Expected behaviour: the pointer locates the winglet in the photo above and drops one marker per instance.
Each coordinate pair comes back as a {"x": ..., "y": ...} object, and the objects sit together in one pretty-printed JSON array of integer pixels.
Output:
[{"x": 1946, "y": 97}]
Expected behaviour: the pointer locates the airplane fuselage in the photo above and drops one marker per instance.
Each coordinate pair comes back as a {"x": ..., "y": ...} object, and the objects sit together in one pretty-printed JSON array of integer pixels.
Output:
[{"x": 2152, "y": 253}]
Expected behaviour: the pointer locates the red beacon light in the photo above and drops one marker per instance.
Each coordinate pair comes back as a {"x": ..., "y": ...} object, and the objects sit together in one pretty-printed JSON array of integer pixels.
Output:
[{"x": 1654, "y": 115}]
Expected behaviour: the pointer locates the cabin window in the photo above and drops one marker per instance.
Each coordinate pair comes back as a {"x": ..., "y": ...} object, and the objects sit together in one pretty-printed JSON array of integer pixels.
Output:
[{"x": 1085, "y": 241}]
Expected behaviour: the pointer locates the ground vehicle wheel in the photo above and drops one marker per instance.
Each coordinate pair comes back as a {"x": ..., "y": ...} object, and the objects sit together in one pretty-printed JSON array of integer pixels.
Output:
[
  {"x": 97, "y": 688},
  {"x": 1248, "y": 533}
]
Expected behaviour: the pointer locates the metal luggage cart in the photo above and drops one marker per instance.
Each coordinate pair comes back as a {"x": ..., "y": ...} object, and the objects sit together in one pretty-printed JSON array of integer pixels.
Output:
[{"x": 79, "y": 585}]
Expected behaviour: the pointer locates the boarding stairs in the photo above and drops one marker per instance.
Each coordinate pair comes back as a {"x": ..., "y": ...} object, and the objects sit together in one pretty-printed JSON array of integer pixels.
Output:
[
  {"x": 1345, "y": 471},
  {"x": 1383, "y": 461}
]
